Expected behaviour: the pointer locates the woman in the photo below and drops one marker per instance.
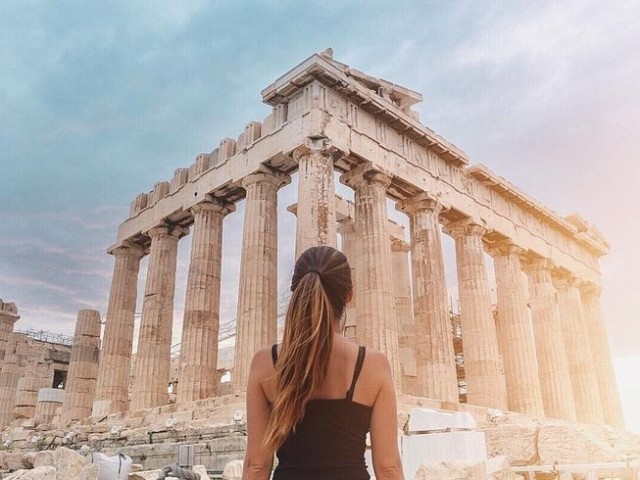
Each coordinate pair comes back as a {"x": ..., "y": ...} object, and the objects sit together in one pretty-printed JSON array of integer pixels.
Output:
[{"x": 296, "y": 401}]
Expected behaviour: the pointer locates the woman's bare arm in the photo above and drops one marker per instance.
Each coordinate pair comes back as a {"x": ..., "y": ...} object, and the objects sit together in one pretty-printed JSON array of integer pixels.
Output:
[
  {"x": 384, "y": 425},
  {"x": 257, "y": 461}
]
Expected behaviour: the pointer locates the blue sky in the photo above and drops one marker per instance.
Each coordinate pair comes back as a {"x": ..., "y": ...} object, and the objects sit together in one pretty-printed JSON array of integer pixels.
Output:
[{"x": 100, "y": 100}]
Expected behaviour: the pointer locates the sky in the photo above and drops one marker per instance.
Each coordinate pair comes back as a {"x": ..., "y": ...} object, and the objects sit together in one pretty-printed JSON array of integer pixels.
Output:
[{"x": 100, "y": 100}]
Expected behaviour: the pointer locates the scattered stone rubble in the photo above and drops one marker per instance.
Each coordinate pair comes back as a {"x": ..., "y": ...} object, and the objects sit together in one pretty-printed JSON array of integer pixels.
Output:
[{"x": 512, "y": 440}]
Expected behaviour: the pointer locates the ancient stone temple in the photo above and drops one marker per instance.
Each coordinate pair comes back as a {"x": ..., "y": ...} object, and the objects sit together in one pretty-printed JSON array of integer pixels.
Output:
[
  {"x": 31, "y": 361},
  {"x": 545, "y": 352}
]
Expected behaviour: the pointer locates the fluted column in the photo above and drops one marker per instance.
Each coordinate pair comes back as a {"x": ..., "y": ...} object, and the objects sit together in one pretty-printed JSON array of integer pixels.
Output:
[
  {"x": 316, "y": 215},
  {"x": 199, "y": 346},
  {"x": 112, "y": 387},
  {"x": 153, "y": 358},
  {"x": 586, "y": 392},
  {"x": 404, "y": 314},
  {"x": 8, "y": 317},
  {"x": 12, "y": 369},
  {"x": 80, "y": 387},
  {"x": 553, "y": 367},
  {"x": 515, "y": 334},
  {"x": 435, "y": 356},
  {"x": 257, "y": 298},
  {"x": 347, "y": 230},
  {"x": 376, "y": 323},
  {"x": 601, "y": 355},
  {"x": 482, "y": 365}
]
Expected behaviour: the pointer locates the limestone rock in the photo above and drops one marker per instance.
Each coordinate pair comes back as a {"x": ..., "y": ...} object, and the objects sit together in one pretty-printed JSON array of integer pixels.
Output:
[
  {"x": 573, "y": 444},
  {"x": 43, "y": 459},
  {"x": 444, "y": 471},
  {"x": 90, "y": 472},
  {"x": 516, "y": 442},
  {"x": 145, "y": 475},
  {"x": 202, "y": 470},
  {"x": 498, "y": 468},
  {"x": 14, "y": 461},
  {"x": 69, "y": 464},
  {"x": 153, "y": 474},
  {"x": 39, "y": 473},
  {"x": 233, "y": 470}
]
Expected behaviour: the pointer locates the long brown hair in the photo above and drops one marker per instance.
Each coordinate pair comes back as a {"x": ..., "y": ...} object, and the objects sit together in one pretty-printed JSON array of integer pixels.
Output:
[{"x": 320, "y": 287}]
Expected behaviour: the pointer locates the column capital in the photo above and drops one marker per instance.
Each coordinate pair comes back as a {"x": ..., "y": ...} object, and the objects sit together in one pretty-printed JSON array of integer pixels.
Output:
[
  {"x": 590, "y": 288},
  {"x": 465, "y": 228},
  {"x": 398, "y": 245},
  {"x": 213, "y": 204},
  {"x": 8, "y": 312},
  {"x": 420, "y": 202},
  {"x": 128, "y": 249},
  {"x": 562, "y": 279},
  {"x": 266, "y": 175},
  {"x": 366, "y": 174},
  {"x": 504, "y": 247},
  {"x": 166, "y": 230},
  {"x": 534, "y": 263},
  {"x": 346, "y": 225},
  {"x": 321, "y": 146}
]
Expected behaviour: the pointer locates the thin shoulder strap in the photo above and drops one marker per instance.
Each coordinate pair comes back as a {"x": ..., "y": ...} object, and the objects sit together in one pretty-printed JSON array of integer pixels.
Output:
[
  {"x": 356, "y": 371},
  {"x": 274, "y": 353}
]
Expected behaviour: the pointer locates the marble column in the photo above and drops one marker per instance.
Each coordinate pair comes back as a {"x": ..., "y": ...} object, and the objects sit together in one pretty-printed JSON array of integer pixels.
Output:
[
  {"x": 199, "y": 350},
  {"x": 515, "y": 333},
  {"x": 435, "y": 356},
  {"x": 112, "y": 387},
  {"x": 404, "y": 315},
  {"x": 601, "y": 355},
  {"x": 316, "y": 215},
  {"x": 153, "y": 358},
  {"x": 80, "y": 387},
  {"x": 586, "y": 392},
  {"x": 553, "y": 368},
  {"x": 483, "y": 367},
  {"x": 12, "y": 370},
  {"x": 8, "y": 317},
  {"x": 258, "y": 295},
  {"x": 347, "y": 230},
  {"x": 376, "y": 323}
]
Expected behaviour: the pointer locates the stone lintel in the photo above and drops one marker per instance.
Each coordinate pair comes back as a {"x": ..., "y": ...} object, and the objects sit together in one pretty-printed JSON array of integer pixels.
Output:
[{"x": 573, "y": 225}]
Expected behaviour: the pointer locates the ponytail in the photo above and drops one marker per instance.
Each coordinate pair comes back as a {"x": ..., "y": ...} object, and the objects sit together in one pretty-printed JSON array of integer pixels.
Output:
[{"x": 311, "y": 319}]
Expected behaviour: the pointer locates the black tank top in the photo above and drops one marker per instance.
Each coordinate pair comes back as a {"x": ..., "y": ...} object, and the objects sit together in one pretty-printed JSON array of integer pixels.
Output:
[{"x": 329, "y": 441}]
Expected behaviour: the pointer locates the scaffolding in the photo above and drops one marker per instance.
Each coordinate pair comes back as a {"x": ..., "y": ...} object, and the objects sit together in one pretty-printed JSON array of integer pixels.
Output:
[{"x": 48, "y": 336}]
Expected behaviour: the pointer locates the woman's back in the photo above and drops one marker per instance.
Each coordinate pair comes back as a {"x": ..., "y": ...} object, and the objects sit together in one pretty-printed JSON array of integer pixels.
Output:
[
  {"x": 329, "y": 442},
  {"x": 315, "y": 404}
]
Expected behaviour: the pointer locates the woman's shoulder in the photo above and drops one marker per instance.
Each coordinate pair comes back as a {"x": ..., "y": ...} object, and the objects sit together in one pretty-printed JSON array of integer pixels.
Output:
[
  {"x": 376, "y": 358},
  {"x": 262, "y": 362},
  {"x": 376, "y": 366}
]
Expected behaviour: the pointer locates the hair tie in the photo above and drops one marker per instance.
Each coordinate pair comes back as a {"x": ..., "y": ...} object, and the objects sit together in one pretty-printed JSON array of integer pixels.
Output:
[{"x": 313, "y": 270}]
